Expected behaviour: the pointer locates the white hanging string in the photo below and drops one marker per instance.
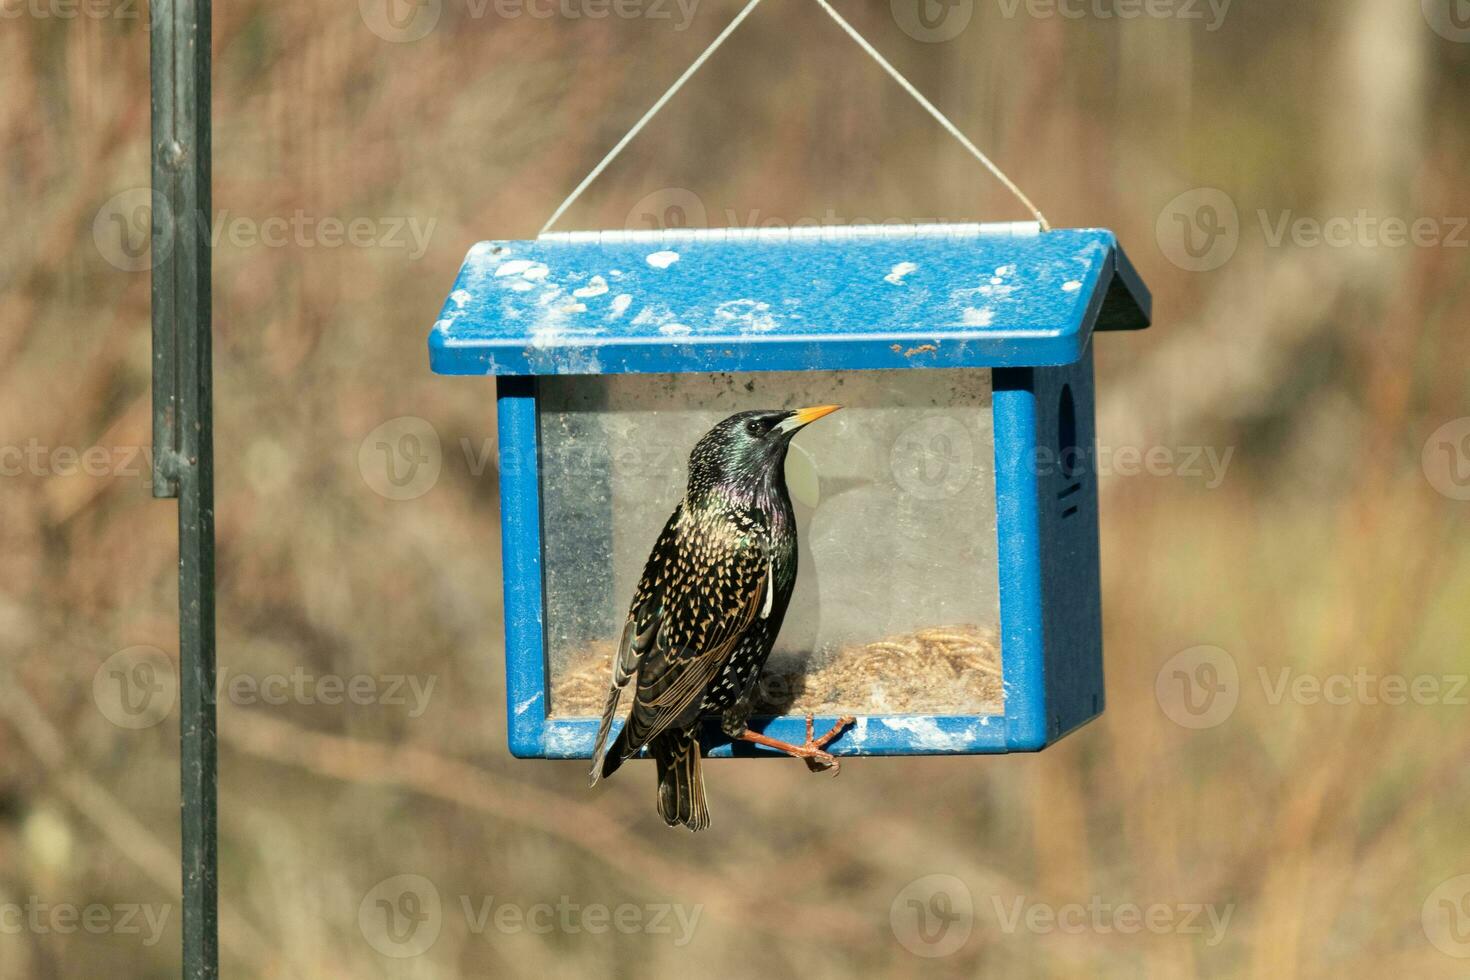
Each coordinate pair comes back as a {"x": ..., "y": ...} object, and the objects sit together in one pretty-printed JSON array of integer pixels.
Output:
[
  {"x": 862, "y": 42},
  {"x": 653, "y": 111},
  {"x": 940, "y": 117}
]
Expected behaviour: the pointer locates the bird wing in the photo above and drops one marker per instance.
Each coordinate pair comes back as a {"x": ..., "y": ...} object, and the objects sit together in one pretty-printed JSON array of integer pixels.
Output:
[
  {"x": 644, "y": 619},
  {"x": 714, "y": 589}
]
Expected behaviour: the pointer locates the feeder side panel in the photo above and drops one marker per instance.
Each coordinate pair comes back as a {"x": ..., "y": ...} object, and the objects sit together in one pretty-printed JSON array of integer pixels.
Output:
[
  {"x": 1018, "y": 530},
  {"x": 1067, "y": 494},
  {"x": 520, "y": 542}
]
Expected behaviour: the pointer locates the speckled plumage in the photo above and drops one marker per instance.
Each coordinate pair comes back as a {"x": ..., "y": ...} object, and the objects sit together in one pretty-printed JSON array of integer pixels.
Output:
[{"x": 708, "y": 607}]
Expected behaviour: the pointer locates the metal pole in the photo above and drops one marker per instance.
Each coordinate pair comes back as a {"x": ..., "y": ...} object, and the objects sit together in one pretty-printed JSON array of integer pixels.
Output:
[{"x": 183, "y": 431}]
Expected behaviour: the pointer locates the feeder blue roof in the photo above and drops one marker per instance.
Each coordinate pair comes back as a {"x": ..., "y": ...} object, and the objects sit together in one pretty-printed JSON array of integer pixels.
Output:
[{"x": 787, "y": 299}]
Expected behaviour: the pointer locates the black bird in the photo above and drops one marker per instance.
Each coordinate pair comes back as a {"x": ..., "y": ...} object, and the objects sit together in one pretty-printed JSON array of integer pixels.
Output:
[{"x": 707, "y": 611}]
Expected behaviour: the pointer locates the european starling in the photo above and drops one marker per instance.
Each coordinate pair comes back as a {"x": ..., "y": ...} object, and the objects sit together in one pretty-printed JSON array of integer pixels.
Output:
[{"x": 707, "y": 611}]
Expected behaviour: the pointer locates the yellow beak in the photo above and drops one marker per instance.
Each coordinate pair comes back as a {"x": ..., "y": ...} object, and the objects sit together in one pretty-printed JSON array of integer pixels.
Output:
[{"x": 806, "y": 416}]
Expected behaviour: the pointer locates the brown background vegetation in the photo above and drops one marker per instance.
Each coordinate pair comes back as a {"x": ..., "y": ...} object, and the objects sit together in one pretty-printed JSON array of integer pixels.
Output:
[{"x": 1324, "y": 550}]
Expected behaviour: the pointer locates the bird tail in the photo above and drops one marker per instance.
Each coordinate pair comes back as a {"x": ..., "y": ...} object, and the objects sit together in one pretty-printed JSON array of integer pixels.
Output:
[
  {"x": 681, "y": 798},
  {"x": 603, "y": 764},
  {"x": 624, "y": 666}
]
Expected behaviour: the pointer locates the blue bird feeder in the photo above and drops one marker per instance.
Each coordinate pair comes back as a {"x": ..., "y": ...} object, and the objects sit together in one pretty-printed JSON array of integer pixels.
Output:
[{"x": 948, "y": 593}]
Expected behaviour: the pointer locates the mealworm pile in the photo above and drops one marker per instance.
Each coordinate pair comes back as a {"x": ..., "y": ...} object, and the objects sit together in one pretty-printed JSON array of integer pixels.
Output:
[{"x": 941, "y": 670}]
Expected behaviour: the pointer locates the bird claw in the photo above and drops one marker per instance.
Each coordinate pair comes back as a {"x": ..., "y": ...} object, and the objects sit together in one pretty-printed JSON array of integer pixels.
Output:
[{"x": 812, "y": 752}]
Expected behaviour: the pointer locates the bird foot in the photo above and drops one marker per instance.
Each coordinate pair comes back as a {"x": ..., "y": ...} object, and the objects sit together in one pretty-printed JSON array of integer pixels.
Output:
[{"x": 812, "y": 752}]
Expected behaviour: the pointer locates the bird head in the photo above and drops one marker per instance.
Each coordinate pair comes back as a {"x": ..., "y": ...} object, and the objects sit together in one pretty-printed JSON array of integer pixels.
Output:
[{"x": 749, "y": 448}]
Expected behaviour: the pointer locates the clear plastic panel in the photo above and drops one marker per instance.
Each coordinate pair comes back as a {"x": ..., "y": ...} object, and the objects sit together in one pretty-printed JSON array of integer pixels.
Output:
[{"x": 896, "y": 608}]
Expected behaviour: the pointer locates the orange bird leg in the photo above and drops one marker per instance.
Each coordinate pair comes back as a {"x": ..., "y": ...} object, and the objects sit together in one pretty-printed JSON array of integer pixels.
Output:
[{"x": 811, "y": 753}]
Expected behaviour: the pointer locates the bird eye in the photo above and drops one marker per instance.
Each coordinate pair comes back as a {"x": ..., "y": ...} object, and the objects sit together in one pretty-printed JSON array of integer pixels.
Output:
[{"x": 753, "y": 427}]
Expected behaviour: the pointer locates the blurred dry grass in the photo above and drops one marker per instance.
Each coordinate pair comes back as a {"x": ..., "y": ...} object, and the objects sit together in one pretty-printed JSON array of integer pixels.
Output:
[{"x": 1324, "y": 549}]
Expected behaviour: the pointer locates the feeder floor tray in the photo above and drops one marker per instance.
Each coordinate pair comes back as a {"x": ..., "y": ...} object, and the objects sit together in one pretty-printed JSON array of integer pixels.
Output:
[{"x": 949, "y": 670}]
